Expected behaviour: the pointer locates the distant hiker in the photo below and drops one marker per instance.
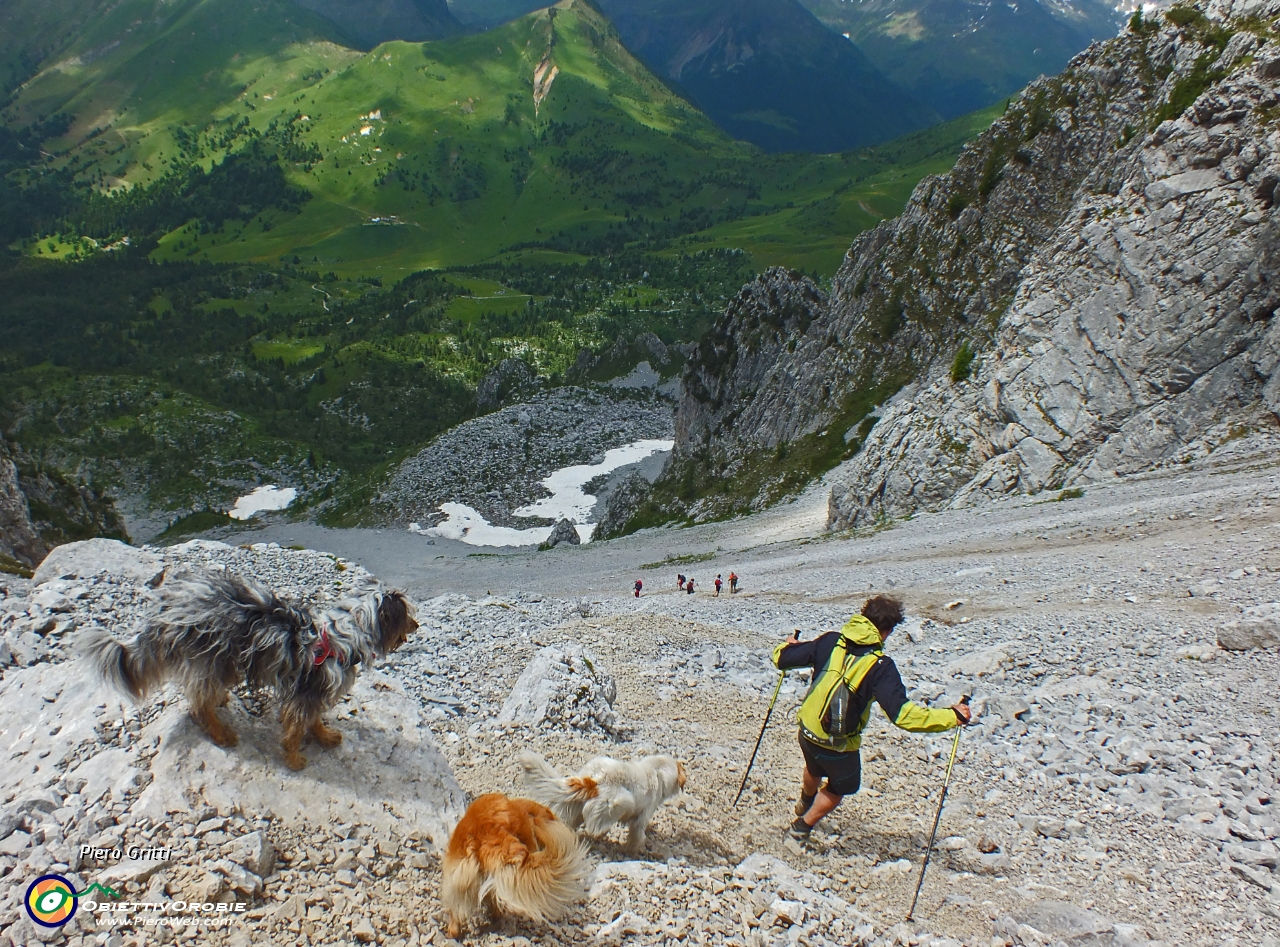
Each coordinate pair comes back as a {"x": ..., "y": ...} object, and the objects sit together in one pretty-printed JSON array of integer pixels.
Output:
[
  {"x": 719, "y": 582},
  {"x": 850, "y": 670},
  {"x": 680, "y": 582},
  {"x": 639, "y": 586},
  {"x": 688, "y": 586},
  {"x": 733, "y": 583}
]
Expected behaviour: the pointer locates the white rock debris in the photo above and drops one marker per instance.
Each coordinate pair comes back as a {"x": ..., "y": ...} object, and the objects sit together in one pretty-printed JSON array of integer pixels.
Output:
[{"x": 563, "y": 686}]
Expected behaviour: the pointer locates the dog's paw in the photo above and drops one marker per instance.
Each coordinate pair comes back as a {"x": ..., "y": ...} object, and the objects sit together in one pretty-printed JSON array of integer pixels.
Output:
[
  {"x": 295, "y": 761},
  {"x": 327, "y": 737},
  {"x": 225, "y": 737}
]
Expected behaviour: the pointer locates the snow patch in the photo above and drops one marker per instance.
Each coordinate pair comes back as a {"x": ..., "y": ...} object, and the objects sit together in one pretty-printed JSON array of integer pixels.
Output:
[
  {"x": 567, "y": 501},
  {"x": 262, "y": 500}
]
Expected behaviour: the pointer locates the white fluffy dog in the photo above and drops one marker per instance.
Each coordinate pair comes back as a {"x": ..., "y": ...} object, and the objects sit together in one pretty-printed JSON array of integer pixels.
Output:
[{"x": 606, "y": 792}]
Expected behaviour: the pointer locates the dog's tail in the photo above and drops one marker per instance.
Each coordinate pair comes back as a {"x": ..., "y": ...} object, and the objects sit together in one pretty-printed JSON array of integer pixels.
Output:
[
  {"x": 548, "y": 881},
  {"x": 551, "y": 789},
  {"x": 132, "y": 669}
]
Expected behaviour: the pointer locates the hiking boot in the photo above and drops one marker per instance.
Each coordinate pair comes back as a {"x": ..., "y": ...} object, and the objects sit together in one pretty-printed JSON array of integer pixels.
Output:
[
  {"x": 800, "y": 830},
  {"x": 805, "y": 803}
]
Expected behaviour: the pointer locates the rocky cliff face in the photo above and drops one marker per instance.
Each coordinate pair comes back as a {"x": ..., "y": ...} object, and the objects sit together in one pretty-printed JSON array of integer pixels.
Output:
[
  {"x": 19, "y": 541},
  {"x": 41, "y": 508},
  {"x": 1141, "y": 334},
  {"x": 1088, "y": 292}
]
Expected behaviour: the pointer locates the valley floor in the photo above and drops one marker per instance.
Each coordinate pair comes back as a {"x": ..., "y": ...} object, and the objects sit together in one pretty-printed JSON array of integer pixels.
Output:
[
  {"x": 1136, "y": 785},
  {"x": 1123, "y": 771}
]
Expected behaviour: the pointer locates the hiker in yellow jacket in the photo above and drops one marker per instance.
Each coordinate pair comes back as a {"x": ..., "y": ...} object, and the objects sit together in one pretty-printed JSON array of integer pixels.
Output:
[{"x": 832, "y": 717}]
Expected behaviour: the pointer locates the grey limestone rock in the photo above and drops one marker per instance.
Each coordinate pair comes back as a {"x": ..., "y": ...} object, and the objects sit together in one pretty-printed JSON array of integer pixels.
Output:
[
  {"x": 563, "y": 532},
  {"x": 496, "y": 463},
  {"x": 621, "y": 506},
  {"x": 1114, "y": 288},
  {"x": 1062, "y": 924},
  {"x": 564, "y": 686},
  {"x": 93, "y": 557},
  {"x": 1140, "y": 334},
  {"x": 512, "y": 378},
  {"x": 18, "y": 537},
  {"x": 1258, "y": 627}
]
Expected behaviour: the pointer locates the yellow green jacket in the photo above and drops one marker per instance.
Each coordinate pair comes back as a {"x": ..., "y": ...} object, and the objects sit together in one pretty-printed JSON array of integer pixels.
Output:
[{"x": 868, "y": 672}]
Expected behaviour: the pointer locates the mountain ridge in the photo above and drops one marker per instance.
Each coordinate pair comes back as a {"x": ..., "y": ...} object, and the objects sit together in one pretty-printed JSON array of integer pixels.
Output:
[
  {"x": 955, "y": 55},
  {"x": 373, "y": 22},
  {"x": 779, "y": 391},
  {"x": 769, "y": 72}
]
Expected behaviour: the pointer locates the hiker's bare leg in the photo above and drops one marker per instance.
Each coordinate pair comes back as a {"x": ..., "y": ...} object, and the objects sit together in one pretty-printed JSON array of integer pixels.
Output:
[
  {"x": 822, "y": 805},
  {"x": 810, "y": 783}
]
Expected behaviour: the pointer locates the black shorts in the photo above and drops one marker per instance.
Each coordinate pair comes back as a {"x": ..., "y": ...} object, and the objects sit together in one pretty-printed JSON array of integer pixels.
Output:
[{"x": 842, "y": 770}]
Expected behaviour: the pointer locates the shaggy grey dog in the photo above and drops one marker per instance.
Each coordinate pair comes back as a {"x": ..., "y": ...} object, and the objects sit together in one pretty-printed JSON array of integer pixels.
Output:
[{"x": 212, "y": 631}]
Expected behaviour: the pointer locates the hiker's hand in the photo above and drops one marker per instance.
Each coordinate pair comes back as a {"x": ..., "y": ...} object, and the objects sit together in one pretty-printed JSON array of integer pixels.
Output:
[
  {"x": 795, "y": 637},
  {"x": 963, "y": 714}
]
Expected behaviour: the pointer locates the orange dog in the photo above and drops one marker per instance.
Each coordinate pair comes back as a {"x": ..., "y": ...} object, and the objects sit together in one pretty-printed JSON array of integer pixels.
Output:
[{"x": 515, "y": 855}]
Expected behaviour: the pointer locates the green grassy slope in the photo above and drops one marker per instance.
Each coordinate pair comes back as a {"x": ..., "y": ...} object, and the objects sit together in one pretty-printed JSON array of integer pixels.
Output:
[
  {"x": 869, "y": 186},
  {"x": 543, "y": 136},
  {"x": 142, "y": 69},
  {"x": 33, "y": 31},
  {"x": 439, "y": 154}
]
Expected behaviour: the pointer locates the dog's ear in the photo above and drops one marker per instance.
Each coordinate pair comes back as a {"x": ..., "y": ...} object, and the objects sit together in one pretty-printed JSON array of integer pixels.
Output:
[{"x": 395, "y": 620}]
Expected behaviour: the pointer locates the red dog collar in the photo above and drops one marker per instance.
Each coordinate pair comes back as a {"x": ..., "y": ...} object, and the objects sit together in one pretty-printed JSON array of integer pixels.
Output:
[{"x": 324, "y": 649}]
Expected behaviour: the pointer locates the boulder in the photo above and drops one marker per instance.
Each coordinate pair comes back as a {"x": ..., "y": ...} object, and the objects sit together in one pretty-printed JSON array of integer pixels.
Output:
[
  {"x": 255, "y": 853},
  {"x": 386, "y": 766},
  {"x": 564, "y": 532},
  {"x": 1059, "y": 922},
  {"x": 387, "y": 771},
  {"x": 131, "y": 869},
  {"x": 564, "y": 686},
  {"x": 101, "y": 556},
  {"x": 1259, "y": 627}
]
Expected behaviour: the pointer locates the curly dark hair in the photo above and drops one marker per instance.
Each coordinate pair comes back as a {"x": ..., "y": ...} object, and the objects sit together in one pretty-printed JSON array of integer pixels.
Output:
[{"x": 883, "y": 612}]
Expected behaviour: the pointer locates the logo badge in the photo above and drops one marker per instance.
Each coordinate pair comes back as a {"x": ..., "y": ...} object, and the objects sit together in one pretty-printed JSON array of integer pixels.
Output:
[{"x": 51, "y": 901}]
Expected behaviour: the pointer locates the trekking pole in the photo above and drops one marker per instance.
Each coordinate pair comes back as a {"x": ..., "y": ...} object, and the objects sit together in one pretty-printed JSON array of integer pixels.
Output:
[
  {"x": 955, "y": 745},
  {"x": 772, "y": 700}
]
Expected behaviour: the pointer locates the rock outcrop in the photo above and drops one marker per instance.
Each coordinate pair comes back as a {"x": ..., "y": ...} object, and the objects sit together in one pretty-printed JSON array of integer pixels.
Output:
[
  {"x": 1089, "y": 292},
  {"x": 41, "y": 507},
  {"x": 621, "y": 506},
  {"x": 1141, "y": 334},
  {"x": 18, "y": 538},
  {"x": 564, "y": 686},
  {"x": 512, "y": 379},
  {"x": 563, "y": 532}
]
